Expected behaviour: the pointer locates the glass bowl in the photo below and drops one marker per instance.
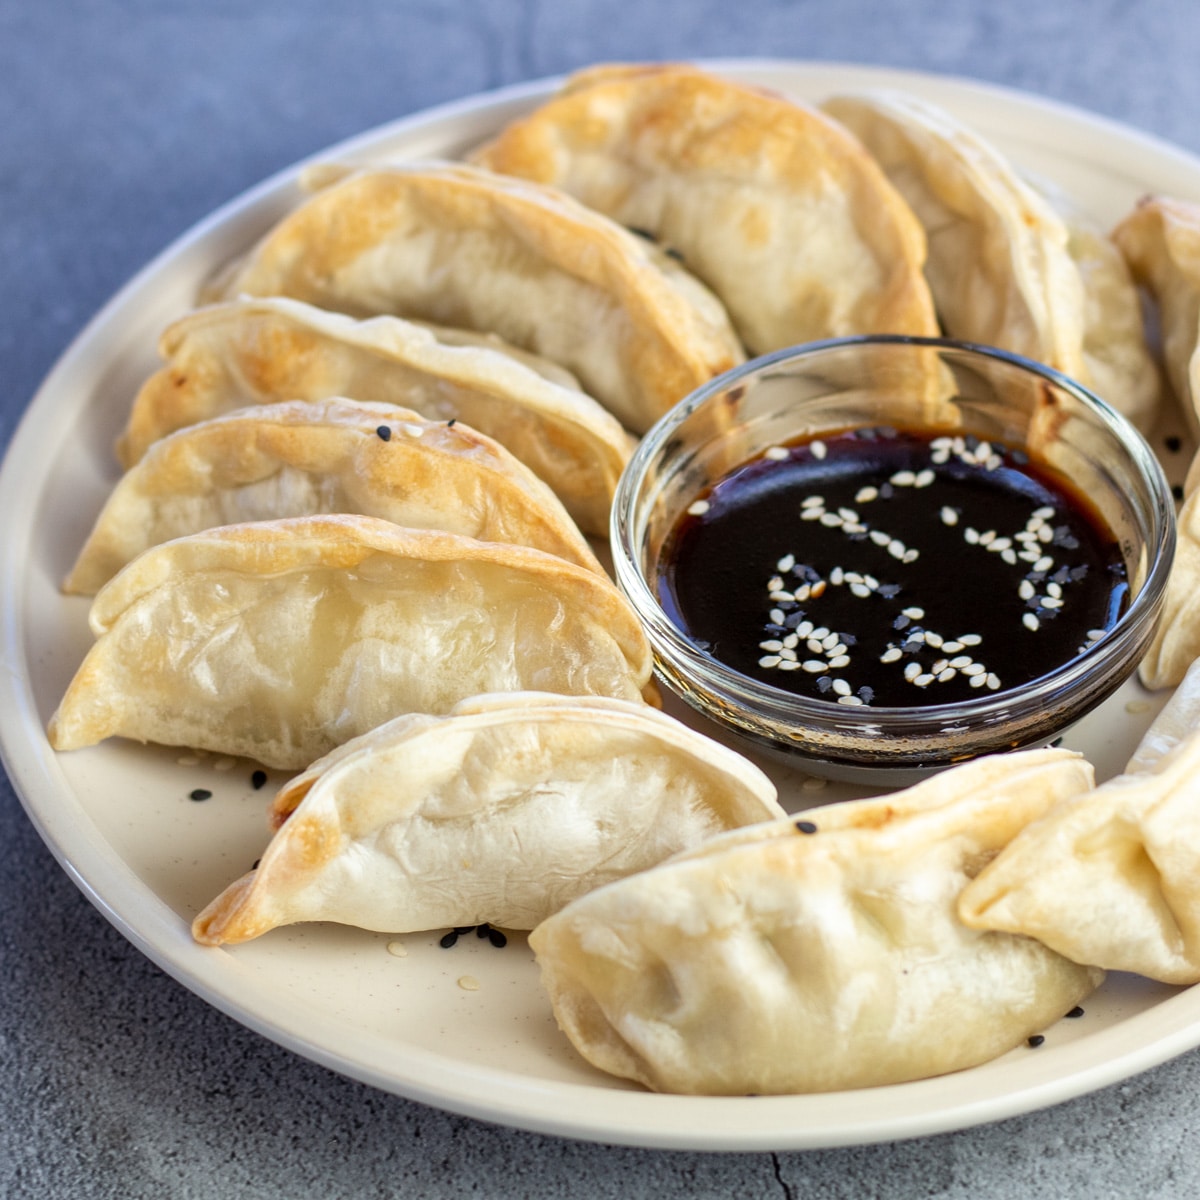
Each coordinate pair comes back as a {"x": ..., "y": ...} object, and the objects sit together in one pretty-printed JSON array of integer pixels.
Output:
[{"x": 933, "y": 387}]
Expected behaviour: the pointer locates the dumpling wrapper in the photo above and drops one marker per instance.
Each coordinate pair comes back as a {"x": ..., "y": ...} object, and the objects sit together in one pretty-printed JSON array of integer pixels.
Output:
[
  {"x": 1112, "y": 877},
  {"x": 279, "y": 640},
  {"x": 1176, "y": 642},
  {"x": 771, "y": 960},
  {"x": 501, "y": 812},
  {"x": 301, "y": 458},
  {"x": 464, "y": 247},
  {"x": 1160, "y": 240},
  {"x": 770, "y": 203},
  {"x": 1008, "y": 266},
  {"x": 252, "y": 352}
]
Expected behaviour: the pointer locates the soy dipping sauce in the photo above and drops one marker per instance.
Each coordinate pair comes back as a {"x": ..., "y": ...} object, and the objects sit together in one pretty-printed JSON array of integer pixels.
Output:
[{"x": 894, "y": 568}]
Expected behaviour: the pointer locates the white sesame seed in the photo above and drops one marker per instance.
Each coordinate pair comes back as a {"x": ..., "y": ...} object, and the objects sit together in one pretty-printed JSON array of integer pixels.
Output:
[
  {"x": 1044, "y": 513},
  {"x": 946, "y": 675},
  {"x": 971, "y": 535},
  {"x": 822, "y": 631},
  {"x": 841, "y": 660},
  {"x": 854, "y": 527},
  {"x": 788, "y": 654},
  {"x": 911, "y": 556},
  {"x": 896, "y": 548},
  {"x": 791, "y": 641},
  {"x": 850, "y": 701},
  {"x": 786, "y": 563},
  {"x": 870, "y": 581},
  {"x": 933, "y": 639},
  {"x": 865, "y": 495},
  {"x": 879, "y": 537},
  {"x": 913, "y": 612},
  {"x": 979, "y": 680},
  {"x": 1054, "y": 589},
  {"x": 814, "y": 644},
  {"x": 939, "y": 666},
  {"x": 840, "y": 648},
  {"x": 1094, "y": 635},
  {"x": 1031, "y": 555},
  {"x": 911, "y": 671},
  {"x": 1045, "y": 534},
  {"x": 993, "y": 681},
  {"x": 993, "y": 462},
  {"x": 1026, "y": 590},
  {"x": 769, "y": 660},
  {"x": 923, "y": 680},
  {"x": 1051, "y": 602},
  {"x": 924, "y": 478},
  {"x": 963, "y": 660},
  {"x": 776, "y": 616},
  {"x": 1009, "y": 556},
  {"x": 830, "y": 641},
  {"x": 818, "y": 589},
  {"x": 1030, "y": 621},
  {"x": 939, "y": 456},
  {"x": 837, "y": 576},
  {"x": 949, "y": 516},
  {"x": 970, "y": 639},
  {"x": 814, "y": 666},
  {"x": 698, "y": 508},
  {"x": 848, "y": 515},
  {"x": 841, "y": 687},
  {"x": 413, "y": 431},
  {"x": 818, "y": 449},
  {"x": 1001, "y": 543},
  {"x": 903, "y": 479},
  {"x": 974, "y": 669},
  {"x": 775, "y": 453},
  {"x": 771, "y": 644},
  {"x": 986, "y": 539},
  {"x": 830, "y": 519},
  {"x": 983, "y": 450},
  {"x": 860, "y": 589},
  {"x": 813, "y": 502},
  {"x": 1044, "y": 563},
  {"x": 789, "y": 664},
  {"x": 891, "y": 654},
  {"x": 780, "y": 596},
  {"x": 804, "y": 629},
  {"x": 811, "y": 514},
  {"x": 942, "y": 443}
]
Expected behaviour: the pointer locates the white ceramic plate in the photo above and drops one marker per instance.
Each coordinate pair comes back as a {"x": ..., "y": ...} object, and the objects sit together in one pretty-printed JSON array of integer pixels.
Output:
[{"x": 119, "y": 819}]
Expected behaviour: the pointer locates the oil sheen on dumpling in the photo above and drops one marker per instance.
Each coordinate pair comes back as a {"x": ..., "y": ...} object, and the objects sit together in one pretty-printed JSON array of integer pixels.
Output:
[
  {"x": 1006, "y": 267},
  {"x": 1112, "y": 877},
  {"x": 463, "y": 247},
  {"x": 251, "y": 352},
  {"x": 501, "y": 812},
  {"x": 298, "y": 458},
  {"x": 820, "y": 953},
  {"x": 769, "y": 202},
  {"x": 279, "y": 640}
]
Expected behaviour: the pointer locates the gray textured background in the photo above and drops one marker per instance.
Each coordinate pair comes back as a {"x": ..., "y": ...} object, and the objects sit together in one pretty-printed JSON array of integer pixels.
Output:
[{"x": 120, "y": 125}]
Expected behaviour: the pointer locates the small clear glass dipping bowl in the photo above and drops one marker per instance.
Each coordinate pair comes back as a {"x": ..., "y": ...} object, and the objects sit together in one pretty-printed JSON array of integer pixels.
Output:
[{"x": 913, "y": 383}]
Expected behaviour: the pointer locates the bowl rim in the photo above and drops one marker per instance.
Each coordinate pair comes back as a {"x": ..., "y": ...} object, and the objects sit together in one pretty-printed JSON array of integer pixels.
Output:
[{"x": 1142, "y": 612}]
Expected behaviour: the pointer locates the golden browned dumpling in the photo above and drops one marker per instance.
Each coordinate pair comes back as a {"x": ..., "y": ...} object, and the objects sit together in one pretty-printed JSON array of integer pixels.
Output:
[
  {"x": 502, "y": 811},
  {"x": 820, "y": 953},
  {"x": 463, "y": 247},
  {"x": 263, "y": 351},
  {"x": 300, "y": 458},
  {"x": 279, "y": 640},
  {"x": 769, "y": 202}
]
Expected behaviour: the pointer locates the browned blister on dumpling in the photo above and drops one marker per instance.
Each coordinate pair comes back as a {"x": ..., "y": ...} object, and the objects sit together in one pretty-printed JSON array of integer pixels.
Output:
[
  {"x": 1112, "y": 877},
  {"x": 297, "y": 458},
  {"x": 279, "y": 640},
  {"x": 1008, "y": 265},
  {"x": 501, "y": 812},
  {"x": 820, "y": 953},
  {"x": 263, "y": 351},
  {"x": 769, "y": 202},
  {"x": 463, "y": 247}
]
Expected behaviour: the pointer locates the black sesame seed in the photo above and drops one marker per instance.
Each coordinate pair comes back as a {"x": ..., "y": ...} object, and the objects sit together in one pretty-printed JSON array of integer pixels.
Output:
[
  {"x": 385, "y": 434},
  {"x": 866, "y": 693},
  {"x": 258, "y": 779},
  {"x": 1173, "y": 444},
  {"x": 498, "y": 939},
  {"x": 671, "y": 252},
  {"x": 1177, "y": 491},
  {"x": 483, "y": 930},
  {"x": 1036, "y": 1040},
  {"x": 1075, "y": 1012},
  {"x": 642, "y": 233},
  {"x": 258, "y": 860},
  {"x": 447, "y": 940},
  {"x": 805, "y": 826},
  {"x": 901, "y": 622},
  {"x": 1056, "y": 743},
  {"x": 200, "y": 794},
  {"x": 451, "y": 423},
  {"x": 824, "y": 683}
]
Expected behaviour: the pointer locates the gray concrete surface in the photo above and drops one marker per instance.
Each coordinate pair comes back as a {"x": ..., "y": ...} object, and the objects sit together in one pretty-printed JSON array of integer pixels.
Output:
[{"x": 120, "y": 125}]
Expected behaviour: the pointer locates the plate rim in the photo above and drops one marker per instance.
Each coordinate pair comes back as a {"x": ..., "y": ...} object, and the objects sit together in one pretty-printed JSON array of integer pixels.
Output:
[{"x": 612, "y": 1115}]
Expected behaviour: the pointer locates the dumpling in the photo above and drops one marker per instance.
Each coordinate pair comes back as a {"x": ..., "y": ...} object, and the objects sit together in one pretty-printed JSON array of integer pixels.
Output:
[
  {"x": 1006, "y": 267},
  {"x": 298, "y": 458},
  {"x": 819, "y": 953},
  {"x": 460, "y": 246},
  {"x": 502, "y": 811},
  {"x": 279, "y": 640},
  {"x": 1176, "y": 642},
  {"x": 262, "y": 351},
  {"x": 769, "y": 202},
  {"x": 1160, "y": 240},
  {"x": 1112, "y": 877}
]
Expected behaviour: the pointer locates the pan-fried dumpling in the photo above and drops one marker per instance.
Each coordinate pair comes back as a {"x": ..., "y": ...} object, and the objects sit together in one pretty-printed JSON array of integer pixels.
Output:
[
  {"x": 1112, "y": 877},
  {"x": 1160, "y": 240},
  {"x": 501, "y": 812},
  {"x": 818, "y": 953},
  {"x": 297, "y": 458},
  {"x": 1006, "y": 266},
  {"x": 461, "y": 246},
  {"x": 279, "y": 640},
  {"x": 262, "y": 351},
  {"x": 1176, "y": 643},
  {"x": 770, "y": 203}
]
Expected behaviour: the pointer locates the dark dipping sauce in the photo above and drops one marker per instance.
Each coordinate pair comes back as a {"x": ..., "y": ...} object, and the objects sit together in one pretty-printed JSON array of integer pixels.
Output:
[{"x": 890, "y": 568}]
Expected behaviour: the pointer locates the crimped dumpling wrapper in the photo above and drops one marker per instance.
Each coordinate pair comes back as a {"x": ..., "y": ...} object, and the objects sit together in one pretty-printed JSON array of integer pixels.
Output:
[
  {"x": 501, "y": 812},
  {"x": 261, "y": 351},
  {"x": 463, "y": 247},
  {"x": 770, "y": 203},
  {"x": 1176, "y": 642},
  {"x": 279, "y": 640},
  {"x": 301, "y": 458},
  {"x": 1008, "y": 265},
  {"x": 1112, "y": 877},
  {"x": 778, "y": 959}
]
